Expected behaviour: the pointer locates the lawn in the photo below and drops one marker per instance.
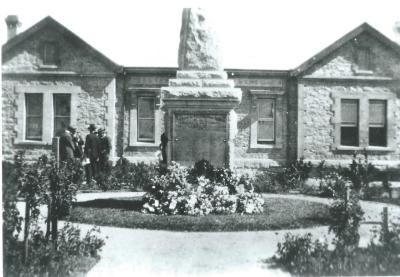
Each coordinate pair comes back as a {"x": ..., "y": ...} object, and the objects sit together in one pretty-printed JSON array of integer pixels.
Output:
[{"x": 278, "y": 214}]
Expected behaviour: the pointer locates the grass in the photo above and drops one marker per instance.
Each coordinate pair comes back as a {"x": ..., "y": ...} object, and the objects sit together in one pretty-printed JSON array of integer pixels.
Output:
[{"x": 278, "y": 214}]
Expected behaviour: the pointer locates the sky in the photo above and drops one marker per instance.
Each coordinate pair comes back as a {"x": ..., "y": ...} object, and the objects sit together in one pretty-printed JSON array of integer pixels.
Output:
[{"x": 253, "y": 34}]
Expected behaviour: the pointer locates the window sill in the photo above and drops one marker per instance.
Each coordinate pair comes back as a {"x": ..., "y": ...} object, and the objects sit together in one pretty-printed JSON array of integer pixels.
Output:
[
  {"x": 265, "y": 146},
  {"x": 48, "y": 66},
  {"x": 144, "y": 144},
  {"x": 379, "y": 148},
  {"x": 359, "y": 148},
  {"x": 32, "y": 142},
  {"x": 360, "y": 72}
]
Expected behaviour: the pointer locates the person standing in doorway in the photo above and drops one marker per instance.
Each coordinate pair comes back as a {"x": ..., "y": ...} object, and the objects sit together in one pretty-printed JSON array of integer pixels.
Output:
[
  {"x": 67, "y": 146},
  {"x": 92, "y": 152}
]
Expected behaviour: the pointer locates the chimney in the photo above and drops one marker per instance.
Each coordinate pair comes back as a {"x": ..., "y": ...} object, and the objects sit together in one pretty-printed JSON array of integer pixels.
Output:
[
  {"x": 12, "y": 25},
  {"x": 396, "y": 29}
]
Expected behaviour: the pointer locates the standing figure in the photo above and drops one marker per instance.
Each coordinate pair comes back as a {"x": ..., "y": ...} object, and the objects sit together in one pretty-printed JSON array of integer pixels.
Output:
[
  {"x": 67, "y": 146},
  {"x": 92, "y": 152},
  {"x": 163, "y": 147},
  {"x": 104, "y": 148},
  {"x": 78, "y": 143}
]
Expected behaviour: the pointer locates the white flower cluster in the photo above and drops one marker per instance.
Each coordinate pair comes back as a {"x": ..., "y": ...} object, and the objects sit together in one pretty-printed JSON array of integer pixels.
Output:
[{"x": 172, "y": 194}]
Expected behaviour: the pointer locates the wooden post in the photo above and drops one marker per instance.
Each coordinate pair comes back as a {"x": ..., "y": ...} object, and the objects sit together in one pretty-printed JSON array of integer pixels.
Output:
[
  {"x": 53, "y": 214},
  {"x": 385, "y": 224},
  {"x": 26, "y": 230}
]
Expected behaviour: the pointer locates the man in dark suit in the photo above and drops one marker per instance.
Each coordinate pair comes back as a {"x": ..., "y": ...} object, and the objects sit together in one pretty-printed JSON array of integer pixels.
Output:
[
  {"x": 67, "y": 146},
  {"x": 92, "y": 152}
]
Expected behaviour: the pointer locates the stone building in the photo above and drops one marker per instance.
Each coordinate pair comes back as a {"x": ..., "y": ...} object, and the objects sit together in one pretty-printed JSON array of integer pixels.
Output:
[{"x": 345, "y": 98}]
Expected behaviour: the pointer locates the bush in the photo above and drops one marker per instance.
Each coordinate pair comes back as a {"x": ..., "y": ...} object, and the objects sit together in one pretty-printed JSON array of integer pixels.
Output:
[
  {"x": 71, "y": 256},
  {"x": 293, "y": 176},
  {"x": 173, "y": 193},
  {"x": 130, "y": 176},
  {"x": 266, "y": 181},
  {"x": 301, "y": 256}
]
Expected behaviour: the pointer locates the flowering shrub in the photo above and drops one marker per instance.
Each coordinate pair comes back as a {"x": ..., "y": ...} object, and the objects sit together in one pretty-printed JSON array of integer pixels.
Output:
[{"x": 172, "y": 193}]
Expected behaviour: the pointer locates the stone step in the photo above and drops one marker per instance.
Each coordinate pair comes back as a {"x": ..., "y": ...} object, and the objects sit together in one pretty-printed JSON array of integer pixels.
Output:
[
  {"x": 219, "y": 83},
  {"x": 194, "y": 74},
  {"x": 202, "y": 92}
]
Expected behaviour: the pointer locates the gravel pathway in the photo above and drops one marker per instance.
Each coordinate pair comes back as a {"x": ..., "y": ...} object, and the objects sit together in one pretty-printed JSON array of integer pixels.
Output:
[{"x": 137, "y": 252}]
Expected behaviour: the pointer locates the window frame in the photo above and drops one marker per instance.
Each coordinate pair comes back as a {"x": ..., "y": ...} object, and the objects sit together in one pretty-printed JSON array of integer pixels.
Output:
[
  {"x": 48, "y": 112},
  {"x": 347, "y": 124},
  {"x": 133, "y": 94},
  {"x": 363, "y": 113},
  {"x": 273, "y": 120},
  {"x": 55, "y": 116},
  {"x": 55, "y": 62},
  {"x": 38, "y": 116},
  {"x": 139, "y": 97},
  {"x": 278, "y": 96}
]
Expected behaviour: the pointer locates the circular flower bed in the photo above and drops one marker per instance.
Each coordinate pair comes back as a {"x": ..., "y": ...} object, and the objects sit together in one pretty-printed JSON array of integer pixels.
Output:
[{"x": 186, "y": 191}]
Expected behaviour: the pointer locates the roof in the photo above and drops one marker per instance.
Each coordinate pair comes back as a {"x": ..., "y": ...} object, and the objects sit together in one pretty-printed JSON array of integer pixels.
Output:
[
  {"x": 49, "y": 21},
  {"x": 363, "y": 28},
  {"x": 239, "y": 73}
]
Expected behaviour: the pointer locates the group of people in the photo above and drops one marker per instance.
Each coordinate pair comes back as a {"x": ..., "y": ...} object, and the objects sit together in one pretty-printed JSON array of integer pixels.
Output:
[{"x": 94, "y": 152}]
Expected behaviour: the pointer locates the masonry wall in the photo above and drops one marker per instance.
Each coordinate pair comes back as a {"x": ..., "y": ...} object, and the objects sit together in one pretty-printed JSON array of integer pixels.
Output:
[
  {"x": 337, "y": 75},
  {"x": 90, "y": 103},
  {"x": 247, "y": 157},
  {"x": 133, "y": 81},
  {"x": 92, "y": 86}
]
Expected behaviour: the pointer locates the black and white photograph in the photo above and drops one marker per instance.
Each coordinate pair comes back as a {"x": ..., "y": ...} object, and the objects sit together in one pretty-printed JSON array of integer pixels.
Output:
[{"x": 200, "y": 138}]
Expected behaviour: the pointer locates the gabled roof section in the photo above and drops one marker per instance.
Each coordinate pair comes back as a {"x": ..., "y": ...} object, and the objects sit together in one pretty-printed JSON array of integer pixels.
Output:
[
  {"x": 49, "y": 21},
  {"x": 363, "y": 28}
]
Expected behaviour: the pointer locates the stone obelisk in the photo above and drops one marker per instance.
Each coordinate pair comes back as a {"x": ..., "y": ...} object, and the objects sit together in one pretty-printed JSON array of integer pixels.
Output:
[
  {"x": 199, "y": 103},
  {"x": 200, "y": 73}
]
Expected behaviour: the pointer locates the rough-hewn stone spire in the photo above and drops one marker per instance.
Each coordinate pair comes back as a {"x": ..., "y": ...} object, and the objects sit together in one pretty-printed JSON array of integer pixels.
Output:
[{"x": 199, "y": 46}]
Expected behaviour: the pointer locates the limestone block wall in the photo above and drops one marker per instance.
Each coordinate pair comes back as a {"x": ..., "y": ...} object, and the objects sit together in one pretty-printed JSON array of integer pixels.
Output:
[
  {"x": 247, "y": 157},
  {"x": 133, "y": 81},
  {"x": 343, "y": 63},
  {"x": 317, "y": 124},
  {"x": 92, "y": 101}
]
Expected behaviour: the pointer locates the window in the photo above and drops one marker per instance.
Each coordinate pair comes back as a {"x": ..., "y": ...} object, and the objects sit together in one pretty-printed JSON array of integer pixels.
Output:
[
  {"x": 62, "y": 112},
  {"x": 34, "y": 116},
  {"x": 349, "y": 122},
  {"x": 377, "y": 123},
  {"x": 364, "y": 59},
  {"x": 268, "y": 118},
  {"x": 49, "y": 53},
  {"x": 265, "y": 121},
  {"x": 146, "y": 119}
]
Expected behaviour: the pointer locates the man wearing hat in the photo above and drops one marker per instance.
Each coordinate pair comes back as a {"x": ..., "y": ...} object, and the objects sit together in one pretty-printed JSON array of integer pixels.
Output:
[
  {"x": 105, "y": 147},
  {"x": 67, "y": 146},
  {"x": 92, "y": 152}
]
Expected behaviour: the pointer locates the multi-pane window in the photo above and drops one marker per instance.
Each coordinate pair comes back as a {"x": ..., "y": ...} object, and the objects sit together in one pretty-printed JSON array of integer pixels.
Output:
[
  {"x": 62, "y": 112},
  {"x": 265, "y": 121},
  {"x": 146, "y": 119},
  {"x": 349, "y": 122},
  {"x": 50, "y": 53},
  {"x": 377, "y": 123},
  {"x": 34, "y": 116}
]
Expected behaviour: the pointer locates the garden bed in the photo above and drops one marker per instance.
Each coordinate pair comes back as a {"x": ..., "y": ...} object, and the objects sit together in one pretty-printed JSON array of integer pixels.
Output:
[{"x": 126, "y": 212}]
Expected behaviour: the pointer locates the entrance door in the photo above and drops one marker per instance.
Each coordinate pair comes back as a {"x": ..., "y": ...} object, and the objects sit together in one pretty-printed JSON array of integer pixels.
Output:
[{"x": 199, "y": 136}]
